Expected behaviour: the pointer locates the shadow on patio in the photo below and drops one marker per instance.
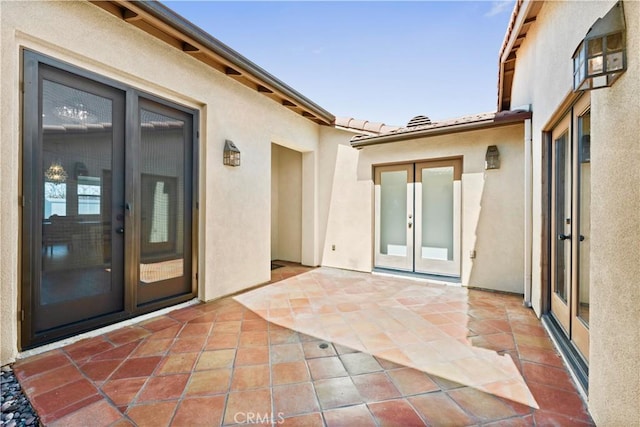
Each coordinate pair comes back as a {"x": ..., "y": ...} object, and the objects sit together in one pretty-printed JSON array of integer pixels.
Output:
[{"x": 323, "y": 347}]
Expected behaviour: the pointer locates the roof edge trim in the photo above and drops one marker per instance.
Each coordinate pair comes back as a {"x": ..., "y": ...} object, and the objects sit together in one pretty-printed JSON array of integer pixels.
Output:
[{"x": 494, "y": 122}]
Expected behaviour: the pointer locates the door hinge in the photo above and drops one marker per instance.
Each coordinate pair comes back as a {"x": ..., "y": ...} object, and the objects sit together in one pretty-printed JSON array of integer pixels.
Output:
[
  {"x": 21, "y": 201},
  {"x": 21, "y": 316}
]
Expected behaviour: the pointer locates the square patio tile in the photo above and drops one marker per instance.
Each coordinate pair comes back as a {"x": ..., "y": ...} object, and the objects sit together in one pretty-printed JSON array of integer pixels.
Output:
[
  {"x": 294, "y": 399},
  {"x": 326, "y": 367},
  {"x": 337, "y": 392},
  {"x": 358, "y": 415}
]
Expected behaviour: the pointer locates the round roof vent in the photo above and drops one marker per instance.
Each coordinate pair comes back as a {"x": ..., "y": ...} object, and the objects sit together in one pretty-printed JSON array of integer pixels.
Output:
[{"x": 419, "y": 121}]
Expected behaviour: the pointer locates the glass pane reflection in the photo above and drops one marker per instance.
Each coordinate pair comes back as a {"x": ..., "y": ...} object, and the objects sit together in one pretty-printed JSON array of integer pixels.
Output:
[
  {"x": 162, "y": 179},
  {"x": 562, "y": 212},
  {"x": 76, "y": 211},
  {"x": 584, "y": 183}
]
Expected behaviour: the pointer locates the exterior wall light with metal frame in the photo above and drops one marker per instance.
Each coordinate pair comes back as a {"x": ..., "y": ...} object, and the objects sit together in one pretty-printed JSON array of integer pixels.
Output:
[
  {"x": 601, "y": 57},
  {"x": 231, "y": 154},
  {"x": 492, "y": 158}
]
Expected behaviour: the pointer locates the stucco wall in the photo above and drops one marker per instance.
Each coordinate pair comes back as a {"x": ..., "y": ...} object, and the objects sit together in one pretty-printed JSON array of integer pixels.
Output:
[
  {"x": 543, "y": 78},
  {"x": 346, "y": 204},
  {"x": 234, "y": 202},
  {"x": 492, "y": 203},
  {"x": 614, "y": 394}
]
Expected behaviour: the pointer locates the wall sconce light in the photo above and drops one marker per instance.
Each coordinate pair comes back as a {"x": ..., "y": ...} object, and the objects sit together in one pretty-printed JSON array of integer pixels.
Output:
[
  {"x": 492, "y": 158},
  {"x": 231, "y": 155},
  {"x": 601, "y": 56},
  {"x": 55, "y": 173}
]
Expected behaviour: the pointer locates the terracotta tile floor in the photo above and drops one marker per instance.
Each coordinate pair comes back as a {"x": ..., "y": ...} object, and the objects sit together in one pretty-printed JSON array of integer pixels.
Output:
[{"x": 314, "y": 348}]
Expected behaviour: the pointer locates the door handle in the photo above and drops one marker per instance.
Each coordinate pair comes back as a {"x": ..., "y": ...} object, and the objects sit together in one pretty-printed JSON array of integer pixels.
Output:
[
  {"x": 120, "y": 230},
  {"x": 581, "y": 238},
  {"x": 564, "y": 236}
]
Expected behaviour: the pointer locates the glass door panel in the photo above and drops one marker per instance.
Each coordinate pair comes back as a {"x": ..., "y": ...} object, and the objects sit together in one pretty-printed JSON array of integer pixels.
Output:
[
  {"x": 581, "y": 228},
  {"x": 561, "y": 224},
  {"x": 165, "y": 213},
  {"x": 82, "y": 258},
  {"x": 394, "y": 217},
  {"x": 437, "y": 217}
]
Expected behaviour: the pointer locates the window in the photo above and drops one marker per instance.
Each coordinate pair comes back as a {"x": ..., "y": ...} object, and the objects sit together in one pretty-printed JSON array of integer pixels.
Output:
[{"x": 88, "y": 195}]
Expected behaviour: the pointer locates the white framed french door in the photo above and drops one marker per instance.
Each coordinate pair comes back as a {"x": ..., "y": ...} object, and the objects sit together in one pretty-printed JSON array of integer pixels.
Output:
[
  {"x": 417, "y": 217},
  {"x": 394, "y": 217}
]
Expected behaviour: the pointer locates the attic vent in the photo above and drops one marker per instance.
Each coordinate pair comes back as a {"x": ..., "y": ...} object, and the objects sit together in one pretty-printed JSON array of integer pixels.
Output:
[{"x": 419, "y": 121}]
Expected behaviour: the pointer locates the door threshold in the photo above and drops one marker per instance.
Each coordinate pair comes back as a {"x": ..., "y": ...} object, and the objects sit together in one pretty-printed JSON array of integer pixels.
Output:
[
  {"x": 423, "y": 277},
  {"x": 577, "y": 367},
  {"x": 100, "y": 331}
]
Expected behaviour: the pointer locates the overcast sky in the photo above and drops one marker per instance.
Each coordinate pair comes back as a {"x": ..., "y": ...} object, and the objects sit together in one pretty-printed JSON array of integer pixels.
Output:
[{"x": 379, "y": 61}]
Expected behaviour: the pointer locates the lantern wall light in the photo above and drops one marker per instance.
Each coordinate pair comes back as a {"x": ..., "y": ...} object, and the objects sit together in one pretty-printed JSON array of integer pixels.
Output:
[
  {"x": 601, "y": 57},
  {"x": 231, "y": 154},
  {"x": 492, "y": 158}
]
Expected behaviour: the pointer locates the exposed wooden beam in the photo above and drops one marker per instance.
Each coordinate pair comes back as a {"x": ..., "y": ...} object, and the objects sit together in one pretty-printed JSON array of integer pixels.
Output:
[
  {"x": 288, "y": 103},
  {"x": 232, "y": 72},
  {"x": 264, "y": 89},
  {"x": 187, "y": 47},
  {"x": 307, "y": 114},
  {"x": 529, "y": 20},
  {"x": 129, "y": 15}
]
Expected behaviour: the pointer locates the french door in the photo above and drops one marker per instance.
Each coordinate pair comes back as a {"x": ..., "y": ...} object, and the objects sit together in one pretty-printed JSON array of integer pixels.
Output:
[
  {"x": 570, "y": 225},
  {"x": 417, "y": 217},
  {"x": 107, "y": 216}
]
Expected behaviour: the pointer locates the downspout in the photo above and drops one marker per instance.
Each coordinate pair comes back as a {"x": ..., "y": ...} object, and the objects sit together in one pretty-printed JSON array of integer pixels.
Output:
[{"x": 528, "y": 210}]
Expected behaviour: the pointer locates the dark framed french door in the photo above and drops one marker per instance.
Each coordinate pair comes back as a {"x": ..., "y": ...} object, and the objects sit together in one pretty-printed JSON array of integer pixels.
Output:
[{"x": 107, "y": 218}]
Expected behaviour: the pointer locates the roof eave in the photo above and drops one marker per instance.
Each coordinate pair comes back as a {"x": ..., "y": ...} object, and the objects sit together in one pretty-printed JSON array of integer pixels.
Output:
[
  {"x": 195, "y": 35},
  {"x": 444, "y": 130},
  {"x": 524, "y": 15}
]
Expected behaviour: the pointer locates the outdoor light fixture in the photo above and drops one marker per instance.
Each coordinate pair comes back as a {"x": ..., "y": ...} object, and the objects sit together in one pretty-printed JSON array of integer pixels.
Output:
[
  {"x": 56, "y": 173},
  {"x": 231, "y": 155},
  {"x": 601, "y": 57},
  {"x": 492, "y": 158}
]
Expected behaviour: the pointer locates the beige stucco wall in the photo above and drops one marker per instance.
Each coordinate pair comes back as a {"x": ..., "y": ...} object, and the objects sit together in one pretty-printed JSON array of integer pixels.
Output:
[
  {"x": 492, "y": 202},
  {"x": 235, "y": 203},
  {"x": 615, "y": 250},
  {"x": 543, "y": 78}
]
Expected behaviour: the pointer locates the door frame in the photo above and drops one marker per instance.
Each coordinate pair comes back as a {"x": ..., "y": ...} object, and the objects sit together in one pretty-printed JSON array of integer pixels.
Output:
[{"x": 30, "y": 240}]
